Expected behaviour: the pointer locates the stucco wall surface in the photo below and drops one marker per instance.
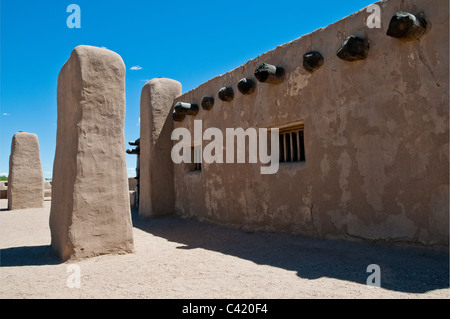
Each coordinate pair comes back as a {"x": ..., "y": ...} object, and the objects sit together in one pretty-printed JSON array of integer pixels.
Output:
[{"x": 376, "y": 137}]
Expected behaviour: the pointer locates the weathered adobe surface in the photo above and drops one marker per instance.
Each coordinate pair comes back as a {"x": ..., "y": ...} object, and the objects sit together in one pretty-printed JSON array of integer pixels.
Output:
[
  {"x": 25, "y": 179},
  {"x": 90, "y": 212},
  {"x": 376, "y": 137}
]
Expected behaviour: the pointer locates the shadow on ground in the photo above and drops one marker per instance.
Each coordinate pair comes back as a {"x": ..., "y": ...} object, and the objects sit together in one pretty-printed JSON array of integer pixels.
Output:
[
  {"x": 28, "y": 256},
  {"x": 402, "y": 270}
]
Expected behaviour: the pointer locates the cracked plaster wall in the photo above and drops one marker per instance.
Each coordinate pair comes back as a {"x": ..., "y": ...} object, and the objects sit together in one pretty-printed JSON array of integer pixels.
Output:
[{"x": 376, "y": 138}]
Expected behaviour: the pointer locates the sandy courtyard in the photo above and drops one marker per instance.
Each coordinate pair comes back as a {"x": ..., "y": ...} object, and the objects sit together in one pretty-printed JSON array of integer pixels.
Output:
[{"x": 178, "y": 258}]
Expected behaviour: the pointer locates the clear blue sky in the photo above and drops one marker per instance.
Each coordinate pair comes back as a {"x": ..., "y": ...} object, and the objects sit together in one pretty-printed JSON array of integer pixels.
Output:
[{"x": 189, "y": 41}]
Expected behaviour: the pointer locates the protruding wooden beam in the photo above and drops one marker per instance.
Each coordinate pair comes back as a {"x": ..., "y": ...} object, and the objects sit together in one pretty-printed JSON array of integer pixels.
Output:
[
  {"x": 353, "y": 48},
  {"x": 135, "y": 143},
  {"x": 178, "y": 117},
  {"x": 186, "y": 108},
  {"x": 226, "y": 94},
  {"x": 207, "y": 102},
  {"x": 406, "y": 26},
  {"x": 134, "y": 151},
  {"x": 246, "y": 86},
  {"x": 312, "y": 61},
  {"x": 268, "y": 73}
]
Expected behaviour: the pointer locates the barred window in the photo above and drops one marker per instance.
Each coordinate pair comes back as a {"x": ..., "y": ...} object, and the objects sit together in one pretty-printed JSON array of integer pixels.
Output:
[{"x": 292, "y": 144}]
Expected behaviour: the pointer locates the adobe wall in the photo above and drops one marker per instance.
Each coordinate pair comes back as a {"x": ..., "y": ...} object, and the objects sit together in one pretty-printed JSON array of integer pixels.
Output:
[
  {"x": 3, "y": 189},
  {"x": 47, "y": 188},
  {"x": 376, "y": 138}
]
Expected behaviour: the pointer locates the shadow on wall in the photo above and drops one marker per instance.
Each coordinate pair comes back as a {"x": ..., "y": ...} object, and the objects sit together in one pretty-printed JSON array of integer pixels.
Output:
[{"x": 403, "y": 270}]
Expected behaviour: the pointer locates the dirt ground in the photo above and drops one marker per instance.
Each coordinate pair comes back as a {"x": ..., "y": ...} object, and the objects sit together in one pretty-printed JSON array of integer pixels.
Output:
[{"x": 179, "y": 258}]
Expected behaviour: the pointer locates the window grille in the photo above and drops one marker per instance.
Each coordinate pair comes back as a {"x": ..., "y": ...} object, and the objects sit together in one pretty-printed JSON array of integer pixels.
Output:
[{"x": 292, "y": 145}]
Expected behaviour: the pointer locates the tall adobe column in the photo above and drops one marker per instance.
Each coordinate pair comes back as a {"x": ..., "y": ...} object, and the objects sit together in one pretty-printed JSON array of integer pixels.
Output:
[
  {"x": 156, "y": 189},
  {"x": 90, "y": 212}
]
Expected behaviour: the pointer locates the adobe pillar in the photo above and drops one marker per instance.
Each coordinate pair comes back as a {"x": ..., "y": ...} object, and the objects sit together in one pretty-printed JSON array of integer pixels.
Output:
[
  {"x": 25, "y": 178},
  {"x": 156, "y": 192},
  {"x": 90, "y": 211}
]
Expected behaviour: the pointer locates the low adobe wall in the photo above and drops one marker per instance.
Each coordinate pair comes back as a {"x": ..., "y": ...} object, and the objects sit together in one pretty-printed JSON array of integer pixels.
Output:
[
  {"x": 375, "y": 137},
  {"x": 3, "y": 189},
  {"x": 47, "y": 188}
]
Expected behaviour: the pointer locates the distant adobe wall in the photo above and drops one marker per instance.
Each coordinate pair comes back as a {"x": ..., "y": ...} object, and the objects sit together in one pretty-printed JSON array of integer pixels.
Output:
[
  {"x": 375, "y": 137},
  {"x": 47, "y": 188},
  {"x": 3, "y": 189}
]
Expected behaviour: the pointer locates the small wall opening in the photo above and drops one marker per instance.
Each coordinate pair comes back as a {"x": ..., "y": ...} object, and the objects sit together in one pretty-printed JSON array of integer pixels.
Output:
[{"x": 292, "y": 144}]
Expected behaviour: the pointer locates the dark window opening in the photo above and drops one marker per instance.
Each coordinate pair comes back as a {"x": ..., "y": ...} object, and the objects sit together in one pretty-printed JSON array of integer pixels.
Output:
[{"x": 292, "y": 145}]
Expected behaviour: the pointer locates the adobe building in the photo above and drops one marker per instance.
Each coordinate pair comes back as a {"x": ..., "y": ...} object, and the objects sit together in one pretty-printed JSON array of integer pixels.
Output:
[{"x": 363, "y": 118}]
